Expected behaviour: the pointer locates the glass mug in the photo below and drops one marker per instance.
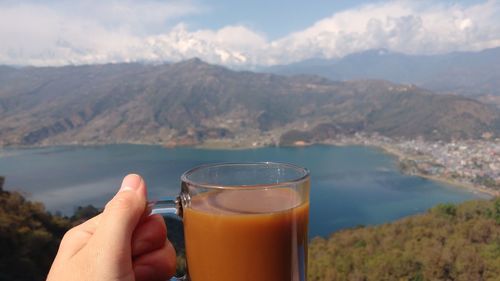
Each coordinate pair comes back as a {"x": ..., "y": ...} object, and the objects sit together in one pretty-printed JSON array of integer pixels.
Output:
[{"x": 243, "y": 221}]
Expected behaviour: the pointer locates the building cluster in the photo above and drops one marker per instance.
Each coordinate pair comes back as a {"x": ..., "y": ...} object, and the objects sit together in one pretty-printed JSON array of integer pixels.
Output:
[{"x": 472, "y": 162}]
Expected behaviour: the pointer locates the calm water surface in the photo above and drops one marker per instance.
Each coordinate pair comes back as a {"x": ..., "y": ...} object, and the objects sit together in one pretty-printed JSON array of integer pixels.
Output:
[{"x": 349, "y": 185}]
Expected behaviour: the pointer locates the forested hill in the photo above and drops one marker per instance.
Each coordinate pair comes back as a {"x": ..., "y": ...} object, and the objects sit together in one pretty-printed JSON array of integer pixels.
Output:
[
  {"x": 30, "y": 236},
  {"x": 189, "y": 102},
  {"x": 449, "y": 242}
]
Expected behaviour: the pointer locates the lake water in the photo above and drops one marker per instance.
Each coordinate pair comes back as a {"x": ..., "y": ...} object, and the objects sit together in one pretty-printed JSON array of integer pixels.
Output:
[{"x": 349, "y": 185}]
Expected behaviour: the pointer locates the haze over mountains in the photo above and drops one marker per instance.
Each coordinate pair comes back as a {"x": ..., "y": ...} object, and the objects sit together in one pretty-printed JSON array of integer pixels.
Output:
[
  {"x": 190, "y": 102},
  {"x": 464, "y": 73}
]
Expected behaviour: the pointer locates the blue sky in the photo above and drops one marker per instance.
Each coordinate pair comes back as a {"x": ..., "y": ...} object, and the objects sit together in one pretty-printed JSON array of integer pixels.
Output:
[
  {"x": 237, "y": 33},
  {"x": 274, "y": 18}
]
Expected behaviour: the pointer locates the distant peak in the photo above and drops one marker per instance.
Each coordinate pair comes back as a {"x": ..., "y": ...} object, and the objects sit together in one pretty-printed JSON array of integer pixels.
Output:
[
  {"x": 193, "y": 61},
  {"x": 196, "y": 64}
]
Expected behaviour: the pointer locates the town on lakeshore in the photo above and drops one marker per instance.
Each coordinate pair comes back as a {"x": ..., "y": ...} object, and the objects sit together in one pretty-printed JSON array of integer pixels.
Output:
[{"x": 473, "y": 164}]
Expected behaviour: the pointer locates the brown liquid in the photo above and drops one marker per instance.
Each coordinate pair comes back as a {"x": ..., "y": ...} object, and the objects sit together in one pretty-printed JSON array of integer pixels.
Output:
[{"x": 247, "y": 235}]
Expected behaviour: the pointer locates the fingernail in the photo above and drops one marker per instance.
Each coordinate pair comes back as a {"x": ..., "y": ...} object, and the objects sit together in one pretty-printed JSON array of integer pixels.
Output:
[{"x": 131, "y": 182}]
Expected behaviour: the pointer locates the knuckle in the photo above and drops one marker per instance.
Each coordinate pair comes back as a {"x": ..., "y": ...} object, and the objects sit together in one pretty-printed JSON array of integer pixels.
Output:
[{"x": 68, "y": 236}]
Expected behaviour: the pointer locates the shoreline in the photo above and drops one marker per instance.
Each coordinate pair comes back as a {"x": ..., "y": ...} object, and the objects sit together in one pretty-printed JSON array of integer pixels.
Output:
[
  {"x": 462, "y": 185},
  {"x": 458, "y": 184},
  {"x": 399, "y": 156}
]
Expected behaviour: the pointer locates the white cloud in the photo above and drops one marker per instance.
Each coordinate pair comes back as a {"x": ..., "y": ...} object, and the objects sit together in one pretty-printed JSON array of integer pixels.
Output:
[
  {"x": 410, "y": 27},
  {"x": 114, "y": 31},
  {"x": 77, "y": 32}
]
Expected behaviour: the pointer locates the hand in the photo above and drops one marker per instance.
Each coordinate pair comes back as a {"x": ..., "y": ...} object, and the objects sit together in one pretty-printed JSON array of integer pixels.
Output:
[{"x": 122, "y": 243}]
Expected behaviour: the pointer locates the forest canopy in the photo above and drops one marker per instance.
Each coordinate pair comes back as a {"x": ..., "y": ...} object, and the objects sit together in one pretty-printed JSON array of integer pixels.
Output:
[{"x": 449, "y": 242}]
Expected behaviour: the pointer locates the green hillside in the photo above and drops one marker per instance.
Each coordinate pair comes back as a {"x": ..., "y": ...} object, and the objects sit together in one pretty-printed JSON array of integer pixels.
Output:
[
  {"x": 29, "y": 238},
  {"x": 449, "y": 242}
]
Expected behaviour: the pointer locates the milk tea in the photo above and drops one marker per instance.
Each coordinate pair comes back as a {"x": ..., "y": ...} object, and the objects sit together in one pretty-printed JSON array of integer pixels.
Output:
[{"x": 239, "y": 235}]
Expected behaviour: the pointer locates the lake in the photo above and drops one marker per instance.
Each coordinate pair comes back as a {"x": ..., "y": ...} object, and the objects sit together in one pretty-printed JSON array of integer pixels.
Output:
[{"x": 350, "y": 186}]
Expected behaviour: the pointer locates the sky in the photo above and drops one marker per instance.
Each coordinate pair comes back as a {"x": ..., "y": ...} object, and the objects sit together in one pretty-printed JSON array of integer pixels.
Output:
[{"x": 244, "y": 33}]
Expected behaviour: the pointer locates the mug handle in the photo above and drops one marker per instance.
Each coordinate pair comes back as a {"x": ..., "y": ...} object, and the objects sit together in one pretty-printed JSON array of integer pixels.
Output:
[{"x": 168, "y": 206}]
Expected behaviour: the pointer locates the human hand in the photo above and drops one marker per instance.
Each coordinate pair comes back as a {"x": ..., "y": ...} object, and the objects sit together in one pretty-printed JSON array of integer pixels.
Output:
[{"x": 122, "y": 243}]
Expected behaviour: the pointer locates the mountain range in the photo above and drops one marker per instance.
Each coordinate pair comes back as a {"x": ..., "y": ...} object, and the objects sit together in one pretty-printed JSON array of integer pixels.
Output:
[
  {"x": 191, "y": 102},
  {"x": 463, "y": 73}
]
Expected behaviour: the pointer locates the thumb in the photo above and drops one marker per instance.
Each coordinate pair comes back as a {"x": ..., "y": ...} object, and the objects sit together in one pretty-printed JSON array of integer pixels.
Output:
[{"x": 121, "y": 216}]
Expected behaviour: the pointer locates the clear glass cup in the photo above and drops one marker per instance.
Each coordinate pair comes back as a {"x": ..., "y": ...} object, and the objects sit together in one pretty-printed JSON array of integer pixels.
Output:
[{"x": 243, "y": 221}]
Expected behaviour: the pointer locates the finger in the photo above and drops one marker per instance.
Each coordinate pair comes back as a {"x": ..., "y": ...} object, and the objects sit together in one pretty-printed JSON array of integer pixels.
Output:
[
  {"x": 149, "y": 235},
  {"x": 157, "y": 265},
  {"x": 120, "y": 217},
  {"x": 77, "y": 237}
]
